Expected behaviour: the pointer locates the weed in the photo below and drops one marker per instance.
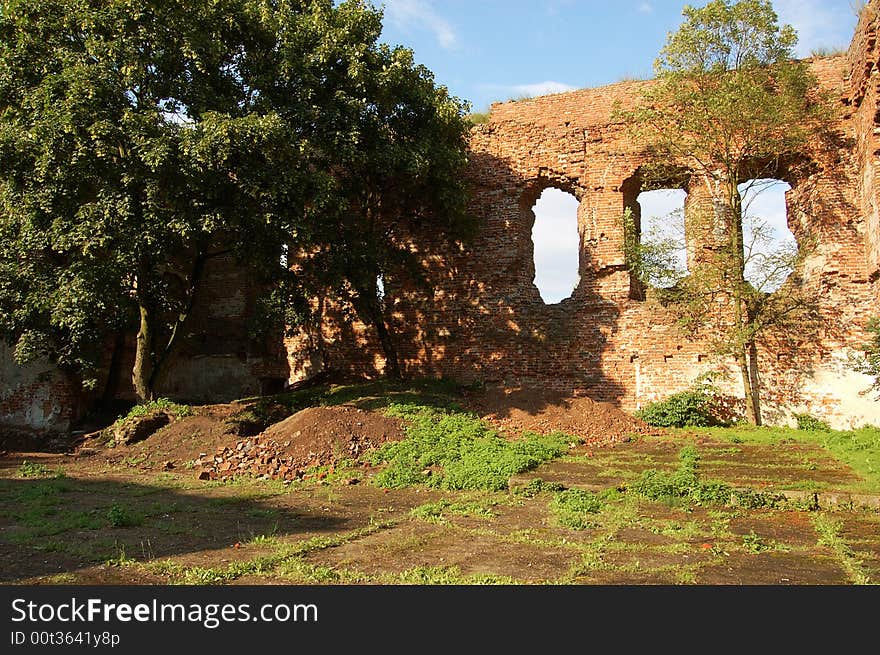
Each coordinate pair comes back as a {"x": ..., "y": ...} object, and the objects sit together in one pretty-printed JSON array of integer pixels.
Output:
[
  {"x": 807, "y": 422},
  {"x": 695, "y": 408},
  {"x": 572, "y": 506},
  {"x": 828, "y": 530},
  {"x": 121, "y": 559},
  {"x": 454, "y": 450},
  {"x": 684, "y": 483},
  {"x": 160, "y": 404},
  {"x": 29, "y": 469},
  {"x": 533, "y": 487},
  {"x": 121, "y": 517},
  {"x": 435, "y": 512},
  {"x": 448, "y": 575},
  {"x": 754, "y": 544}
]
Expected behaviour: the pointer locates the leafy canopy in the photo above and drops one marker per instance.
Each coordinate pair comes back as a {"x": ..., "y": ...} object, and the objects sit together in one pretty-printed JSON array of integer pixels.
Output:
[{"x": 142, "y": 141}]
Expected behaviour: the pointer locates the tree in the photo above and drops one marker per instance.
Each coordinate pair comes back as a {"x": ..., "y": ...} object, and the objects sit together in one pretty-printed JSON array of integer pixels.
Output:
[
  {"x": 869, "y": 362},
  {"x": 731, "y": 104},
  {"x": 139, "y": 140}
]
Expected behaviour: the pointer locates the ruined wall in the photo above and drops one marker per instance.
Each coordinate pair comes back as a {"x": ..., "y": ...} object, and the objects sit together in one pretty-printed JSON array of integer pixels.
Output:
[
  {"x": 486, "y": 320},
  {"x": 36, "y": 396}
]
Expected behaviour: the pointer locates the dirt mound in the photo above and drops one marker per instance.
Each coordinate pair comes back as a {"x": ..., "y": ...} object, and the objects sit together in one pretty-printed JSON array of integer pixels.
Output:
[
  {"x": 313, "y": 437},
  {"x": 544, "y": 411}
]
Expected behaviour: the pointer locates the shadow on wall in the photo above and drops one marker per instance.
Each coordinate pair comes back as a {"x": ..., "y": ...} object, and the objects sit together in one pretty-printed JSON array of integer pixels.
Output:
[{"x": 483, "y": 318}]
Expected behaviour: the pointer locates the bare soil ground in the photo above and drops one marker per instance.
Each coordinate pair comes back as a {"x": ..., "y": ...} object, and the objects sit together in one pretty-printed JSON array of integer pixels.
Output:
[{"x": 87, "y": 513}]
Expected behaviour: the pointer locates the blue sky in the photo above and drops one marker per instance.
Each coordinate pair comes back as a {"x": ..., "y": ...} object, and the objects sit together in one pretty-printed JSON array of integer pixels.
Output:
[
  {"x": 490, "y": 50},
  {"x": 485, "y": 51}
]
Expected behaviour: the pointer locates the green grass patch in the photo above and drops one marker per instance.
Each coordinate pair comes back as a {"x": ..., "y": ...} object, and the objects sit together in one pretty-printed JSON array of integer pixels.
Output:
[
  {"x": 28, "y": 469},
  {"x": 682, "y": 484},
  {"x": 160, "y": 404},
  {"x": 448, "y": 575},
  {"x": 120, "y": 516},
  {"x": 573, "y": 507},
  {"x": 859, "y": 449},
  {"x": 437, "y": 512},
  {"x": 454, "y": 450},
  {"x": 829, "y": 530}
]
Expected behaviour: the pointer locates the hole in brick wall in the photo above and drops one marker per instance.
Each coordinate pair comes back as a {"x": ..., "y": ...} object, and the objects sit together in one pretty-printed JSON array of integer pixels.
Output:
[
  {"x": 662, "y": 223},
  {"x": 769, "y": 246},
  {"x": 557, "y": 245}
]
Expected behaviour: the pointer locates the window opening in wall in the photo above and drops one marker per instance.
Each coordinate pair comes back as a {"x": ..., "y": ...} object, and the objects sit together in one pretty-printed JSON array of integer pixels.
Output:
[
  {"x": 769, "y": 247},
  {"x": 557, "y": 245},
  {"x": 661, "y": 238}
]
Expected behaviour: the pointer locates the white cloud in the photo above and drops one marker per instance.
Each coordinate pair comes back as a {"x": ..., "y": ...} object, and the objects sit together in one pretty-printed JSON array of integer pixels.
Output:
[
  {"x": 646, "y": 8},
  {"x": 420, "y": 15},
  {"x": 817, "y": 25},
  {"x": 541, "y": 88}
]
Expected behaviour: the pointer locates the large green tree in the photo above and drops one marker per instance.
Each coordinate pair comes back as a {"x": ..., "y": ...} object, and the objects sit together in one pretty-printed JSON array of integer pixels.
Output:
[
  {"x": 138, "y": 140},
  {"x": 732, "y": 105}
]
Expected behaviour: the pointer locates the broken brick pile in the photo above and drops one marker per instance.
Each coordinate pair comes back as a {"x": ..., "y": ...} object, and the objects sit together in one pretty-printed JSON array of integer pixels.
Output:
[
  {"x": 258, "y": 456},
  {"x": 268, "y": 459}
]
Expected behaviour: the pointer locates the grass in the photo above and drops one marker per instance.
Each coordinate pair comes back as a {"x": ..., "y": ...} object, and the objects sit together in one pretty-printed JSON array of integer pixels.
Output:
[
  {"x": 573, "y": 507},
  {"x": 828, "y": 530},
  {"x": 859, "y": 448},
  {"x": 669, "y": 525},
  {"x": 682, "y": 484},
  {"x": 437, "y": 512}
]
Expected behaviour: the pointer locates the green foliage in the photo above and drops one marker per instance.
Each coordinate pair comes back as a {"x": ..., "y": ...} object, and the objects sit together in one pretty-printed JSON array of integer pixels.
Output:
[
  {"x": 458, "y": 451},
  {"x": 478, "y": 118},
  {"x": 695, "y": 408},
  {"x": 572, "y": 507},
  {"x": 28, "y": 469},
  {"x": 533, "y": 487},
  {"x": 869, "y": 362},
  {"x": 651, "y": 258},
  {"x": 121, "y": 517},
  {"x": 141, "y": 140},
  {"x": 436, "y": 512},
  {"x": 158, "y": 405},
  {"x": 858, "y": 448},
  {"x": 683, "y": 484},
  {"x": 807, "y": 422},
  {"x": 755, "y": 544}
]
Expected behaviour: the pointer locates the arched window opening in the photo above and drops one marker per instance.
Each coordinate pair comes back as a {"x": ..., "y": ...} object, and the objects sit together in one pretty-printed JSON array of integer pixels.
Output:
[
  {"x": 769, "y": 248},
  {"x": 662, "y": 244},
  {"x": 557, "y": 245}
]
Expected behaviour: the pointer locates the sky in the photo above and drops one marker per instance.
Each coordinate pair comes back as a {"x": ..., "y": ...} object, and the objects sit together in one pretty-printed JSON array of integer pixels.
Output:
[{"x": 488, "y": 51}]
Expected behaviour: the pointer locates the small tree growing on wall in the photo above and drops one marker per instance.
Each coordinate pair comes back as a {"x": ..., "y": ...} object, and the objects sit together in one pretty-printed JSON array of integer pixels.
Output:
[{"x": 730, "y": 103}]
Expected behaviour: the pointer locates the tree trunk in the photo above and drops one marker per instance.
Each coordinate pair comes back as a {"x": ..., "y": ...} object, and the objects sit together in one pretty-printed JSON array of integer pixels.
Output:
[
  {"x": 751, "y": 415},
  {"x": 142, "y": 373},
  {"x": 392, "y": 365},
  {"x": 755, "y": 381},
  {"x": 742, "y": 319}
]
